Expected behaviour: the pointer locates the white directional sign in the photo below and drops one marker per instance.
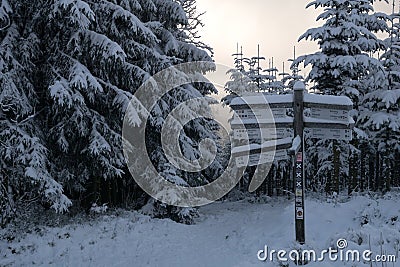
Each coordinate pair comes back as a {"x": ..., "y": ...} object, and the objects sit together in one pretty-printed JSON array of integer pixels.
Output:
[
  {"x": 261, "y": 100},
  {"x": 327, "y": 107},
  {"x": 286, "y": 122},
  {"x": 257, "y": 159},
  {"x": 254, "y": 154},
  {"x": 330, "y": 114},
  {"x": 329, "y": 129},
  {"x": 327, "y": 102},
  {"x": 263, "y": 134},
  {"x": 258, "y": 113},
  {"x": 279, "y": 112},
  {"x": 329, "y": 133}
]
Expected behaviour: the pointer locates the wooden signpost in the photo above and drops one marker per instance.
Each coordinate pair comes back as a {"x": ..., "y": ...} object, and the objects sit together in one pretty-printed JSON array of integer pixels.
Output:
[
  {"x": 262, "y": 120},
  {"x": 298, "y": 172}
]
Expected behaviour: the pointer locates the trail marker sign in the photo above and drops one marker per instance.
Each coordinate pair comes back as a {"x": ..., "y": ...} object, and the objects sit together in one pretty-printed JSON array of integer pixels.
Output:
[{"x": 329, "y": 133}]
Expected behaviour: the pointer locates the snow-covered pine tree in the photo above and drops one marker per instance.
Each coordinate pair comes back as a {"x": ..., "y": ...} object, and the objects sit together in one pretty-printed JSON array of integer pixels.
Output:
[
  {"x": 270, "y": 83},
  {"x": 69, "y": 70},
  {"x": 90, "y": 79},
  {"x": 24, "y": 159},
  {"x": 193, "y": 24},
  {"x": 239, "y": 84},
  {"x": 183, "y": 41},
  {"x": 380, "y": 115},
  {"x": 346, "y": 40},
  {"x": 289, "y": 79},
  {"x": 253, "y": 78},
  {"x": 100, "y": 53}
]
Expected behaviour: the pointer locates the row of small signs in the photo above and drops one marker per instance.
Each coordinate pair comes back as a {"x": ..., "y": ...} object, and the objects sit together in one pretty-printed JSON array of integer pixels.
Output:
[
  {"x": 264, "y": 133},
  {"x": 262, "y": 118},
  {"x": 265, "y": 116},
  {"x": 299, "y": 196}
]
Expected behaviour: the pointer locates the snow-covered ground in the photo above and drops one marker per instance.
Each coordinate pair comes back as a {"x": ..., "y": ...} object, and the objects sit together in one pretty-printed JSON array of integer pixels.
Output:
[{"x": 226, "y": 234}]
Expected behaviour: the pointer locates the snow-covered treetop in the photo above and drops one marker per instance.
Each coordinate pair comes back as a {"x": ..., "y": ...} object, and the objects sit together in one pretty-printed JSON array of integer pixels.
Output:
[{"x": 346, "y": 40}]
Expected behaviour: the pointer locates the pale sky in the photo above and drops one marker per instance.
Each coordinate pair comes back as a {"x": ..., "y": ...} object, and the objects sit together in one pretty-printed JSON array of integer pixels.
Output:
[{"x": 274, "y": 24}]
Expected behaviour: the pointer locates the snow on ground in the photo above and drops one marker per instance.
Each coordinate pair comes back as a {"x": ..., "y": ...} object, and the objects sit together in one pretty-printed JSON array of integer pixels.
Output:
[{"x": 225, "y": 234}]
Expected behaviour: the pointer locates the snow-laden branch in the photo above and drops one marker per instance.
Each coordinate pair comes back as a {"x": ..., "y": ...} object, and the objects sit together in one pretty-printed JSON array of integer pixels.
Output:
[{"x": 8, "y": 24}]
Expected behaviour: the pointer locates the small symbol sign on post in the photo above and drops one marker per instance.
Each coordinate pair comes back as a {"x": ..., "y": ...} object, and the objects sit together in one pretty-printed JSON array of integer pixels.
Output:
[
  {"x": 299, "y": 192},
  {"x": 299, "y": 157},
  {"x": 299, "y": 213}
]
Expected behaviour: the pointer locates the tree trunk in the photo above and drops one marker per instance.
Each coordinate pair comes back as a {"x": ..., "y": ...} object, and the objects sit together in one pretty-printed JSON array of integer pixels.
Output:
[
  {"x": 336, "y": 167},
  {"x": 387, "y": 167},
  {"x": 371, "y": 173},
  {"x": 378, "y": 176},
  {"x": 396, "y": 169},
  {"x": 362, "y": 163}
]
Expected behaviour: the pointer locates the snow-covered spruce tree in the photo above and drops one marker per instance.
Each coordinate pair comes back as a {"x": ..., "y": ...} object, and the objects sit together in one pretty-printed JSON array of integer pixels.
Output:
[
  {"x": 25, "y": 174},
  {"x": 346, "y": 40},
  {"x": 180, "y": 43},
  {"x": 380, "y": 115},
  {"x": 289, "y": 79},
  {"x": 69, "y": 70},
  {"x": 239, "y": 83},
  {"x": 252, "y": 79},
  {"x": 193, "y": 24},
  {"x": 98, "y": 56},
  {"x": 90, "y": 82}
]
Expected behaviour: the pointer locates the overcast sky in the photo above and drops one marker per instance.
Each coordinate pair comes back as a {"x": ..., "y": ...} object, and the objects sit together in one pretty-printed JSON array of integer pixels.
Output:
[{"x": 274, "y": 24}]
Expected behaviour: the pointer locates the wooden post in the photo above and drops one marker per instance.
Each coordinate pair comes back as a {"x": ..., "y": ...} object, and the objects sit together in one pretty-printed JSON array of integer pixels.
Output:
[{"x": 298, "y": 172}]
